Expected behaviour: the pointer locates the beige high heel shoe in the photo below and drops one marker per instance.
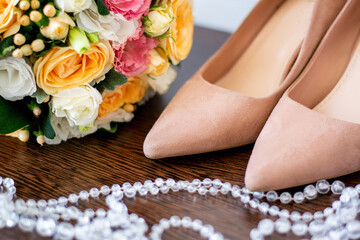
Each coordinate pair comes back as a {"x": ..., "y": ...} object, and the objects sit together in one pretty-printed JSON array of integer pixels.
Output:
[
  {"x": 227, "y": 102},
  {"x": 314, "y": 131}
]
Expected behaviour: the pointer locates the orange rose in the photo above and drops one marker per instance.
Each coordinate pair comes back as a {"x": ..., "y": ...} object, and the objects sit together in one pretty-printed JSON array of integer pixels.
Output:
[
  {"x": 63, "y": 68},
  {"x": 131, "y": 92},
  {"x": 8, "y": 14},
  {"x": 179, "y": 44}
]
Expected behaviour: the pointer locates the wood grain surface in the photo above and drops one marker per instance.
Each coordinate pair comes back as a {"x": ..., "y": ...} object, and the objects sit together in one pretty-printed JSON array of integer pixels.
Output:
[{"x": 104, "y": 159}]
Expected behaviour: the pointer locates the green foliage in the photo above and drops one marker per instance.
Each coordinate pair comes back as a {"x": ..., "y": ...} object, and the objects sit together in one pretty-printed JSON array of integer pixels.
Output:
[
  {"x": 103, "y": 10},
  {"x": 13, "y": 116},
  {"x": 45, "y": 124},
  {"x": 112, "y": 80},
  {"x": 40, "y": 95},
  {"x": 6, "y": 47}
]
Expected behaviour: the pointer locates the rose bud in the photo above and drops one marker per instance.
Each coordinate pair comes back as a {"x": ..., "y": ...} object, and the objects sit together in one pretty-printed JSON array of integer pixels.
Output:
[
  {"x": 78, "y": 40},
  {"x": 58, "y": 27},
  {"x": 157, "y": 23}
]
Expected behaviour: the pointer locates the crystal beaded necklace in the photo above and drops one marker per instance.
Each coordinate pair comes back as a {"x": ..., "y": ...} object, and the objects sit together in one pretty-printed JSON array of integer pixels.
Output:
[{"x": 61, "y": 219}]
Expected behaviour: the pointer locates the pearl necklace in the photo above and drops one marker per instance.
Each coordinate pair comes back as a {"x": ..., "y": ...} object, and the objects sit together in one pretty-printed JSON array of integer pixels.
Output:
[{"x": 55, "y": 217}]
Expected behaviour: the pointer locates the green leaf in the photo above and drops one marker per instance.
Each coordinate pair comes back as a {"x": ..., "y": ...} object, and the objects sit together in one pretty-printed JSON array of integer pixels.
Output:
[
  {"x": 6, "y": 47},
  {"x": 103, "y": 10},
  {"x": 40, "y": 95},
  {"x": 112, "y": 80},
  {"x": 43, "y": 22},
  {"x": 45, "y": 124},
  {"x": 13, "y": 116},
  {"x": 113, "y": 128}
]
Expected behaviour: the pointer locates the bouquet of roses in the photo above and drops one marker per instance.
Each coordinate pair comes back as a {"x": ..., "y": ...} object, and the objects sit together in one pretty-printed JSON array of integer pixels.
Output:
[{"x": 71, "y": 67}]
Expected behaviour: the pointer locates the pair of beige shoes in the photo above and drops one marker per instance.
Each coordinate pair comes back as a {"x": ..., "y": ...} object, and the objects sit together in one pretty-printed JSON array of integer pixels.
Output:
[{"x": 289, "y": 79}]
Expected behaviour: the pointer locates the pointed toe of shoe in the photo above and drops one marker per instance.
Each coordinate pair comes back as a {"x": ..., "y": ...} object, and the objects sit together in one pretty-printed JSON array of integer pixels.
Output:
[
  {"x": 298, "y": 146},
  {"x": 203, "y": 118}
]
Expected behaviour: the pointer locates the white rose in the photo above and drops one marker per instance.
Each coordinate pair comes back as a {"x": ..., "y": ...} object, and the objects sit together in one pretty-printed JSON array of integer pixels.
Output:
[
  {"x": 79, "y": 105},
  {"x": 157, "y": 23},
  {"x": 17, "y": 79},
  {"x": 112, "y": 27},
  {"x": 72, "y": 6},
  {"x": 162, "y": 83},
  {"x": 63, "y": 130},
  {"x": 58, "y": 27}
]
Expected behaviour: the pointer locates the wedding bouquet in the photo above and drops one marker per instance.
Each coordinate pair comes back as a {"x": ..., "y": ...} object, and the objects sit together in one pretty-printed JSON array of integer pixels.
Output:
[{"x": 71, "y": 67}]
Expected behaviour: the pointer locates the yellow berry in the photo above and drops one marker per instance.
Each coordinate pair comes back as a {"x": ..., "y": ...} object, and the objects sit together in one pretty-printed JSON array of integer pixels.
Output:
[
  {"x": 24, "y": 135},
  {"x": 24, "y": 20},
  {"x": 129, "y": 107},
  {"x": 37, "y": 45},
  {"x": 24, "y": 5},
  {"x": 35, "y": 4},
  {"x": 49, "y": 10},
  {"x": 26, "y": 50},
  {"x": 36, "y": 111},
  {"x": 35, "y": 16},
  {"x": 19, "y": 39},
  {"x": 40, "y": 139},
  {"x": 17, "y": 53}
]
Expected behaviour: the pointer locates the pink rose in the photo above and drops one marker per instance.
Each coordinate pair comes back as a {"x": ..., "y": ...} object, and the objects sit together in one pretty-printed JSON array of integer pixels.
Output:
[
  {"x": 130, "y": 9},
  {"x": 132, "y": 58}
]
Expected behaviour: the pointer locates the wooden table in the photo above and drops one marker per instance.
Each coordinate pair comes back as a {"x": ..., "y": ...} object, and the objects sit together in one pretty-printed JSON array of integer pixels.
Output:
[{"x": 104, "y": 159}]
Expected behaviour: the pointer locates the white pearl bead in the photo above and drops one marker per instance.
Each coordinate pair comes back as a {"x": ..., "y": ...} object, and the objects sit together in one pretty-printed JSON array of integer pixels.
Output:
[
  {"x": 337, "y": 187},
  {"x": 310, "y": 192},
  {"x": 266, "y": 227},
  {"x": 285, "y": 197},
  {"x": 299, "y": 228},
  {"x": 271, "y": 196},
  {"x": 282, "y": 226}
]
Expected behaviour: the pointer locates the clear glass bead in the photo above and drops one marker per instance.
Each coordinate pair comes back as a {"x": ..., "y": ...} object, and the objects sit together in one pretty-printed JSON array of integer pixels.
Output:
[
  {"x": 337, "y": 187},
  {"x": 336, "y": 204},
  {"x": 264, "y": 208},
  {"x": 186, "y": 222},
  {"x": 126, "y": 185},
  {"x": 165, "y": 223},
  {"x": 217, "y": 183},
  {"x": 159, "y": 182},
  {"x": 282, "y": 226},
  {"x": 207, "y": 182},
  {"x": 258, "y": 195},
  {"x": 165, "y": 189},
  {"x": 353, "y": 229},
  {"x": 105, "y": 190},
  {"x": 73, "y": 198},
  {"x": 143, "y": 191},
  {"x": 347, "y": 213},
  {"x": 130, "y": 192},
  {"x": 65, "y": 231},
  {"x": 196, "y": 225},
  {"x": 148, "y": 184},
  {"x": 339, "y": 233},
  {"x": 285, "y": 197},
  {"x": 213, "y": 191},
  {"x": 318, "y": 215},
  {"x": 84, "y": 195},
  {"x": 316, "y": 228},
  {"x": 154, "y": 190},
  {"x": 116, "y": 187},
  {"x": 8, "y": 182},
  {"x": 45, "y": 226},
  {"x": 295, "y": 216},
  {"x": 284, "y": 213},
  {"x": 299, "y": 228},
  {"x": 12, "y": 219},
  {"x": 328, "y": 211},
  {"x": 27, "y": 223},
  {"x": 52, "y": 202},
  {"x": 323, "y": 186},
  {"x": 20, "y": 206},
  {"x": 310, "y": 192},
  {"x": 271, "y": 196},
  {"x": 31, "y": 203},
  {"x": 307, "y": 217},
  {"x": 90, "y": 213},
  {"x": 206, "y": 230},
  {"x": 274, "y": 211},
  {"x": 216, "y": 236},
  {"x": 266, "y": 227},
  {"x": 100, "y": 212},
  {"x": 175, "y": 221},
  {"x": 94, "y": 192},
  {"x": 202, "y": 190},
  {"x": 254, "y": 203},
  {"x": 196, "y": 182},
  {"x": 170, "y": 182},
  {"x": 332, "y": 221},
  {"x": 255, "y": 234},
  {"x": 175, "y": 187},
  {"x": 62, "y": 200},
  {"x": 357, "y": 187},
  {"x": 245, "y": 199}
]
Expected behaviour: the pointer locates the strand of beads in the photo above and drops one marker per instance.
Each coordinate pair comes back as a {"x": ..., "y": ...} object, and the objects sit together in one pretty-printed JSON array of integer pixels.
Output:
[{"x": 53, "y": 218}]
